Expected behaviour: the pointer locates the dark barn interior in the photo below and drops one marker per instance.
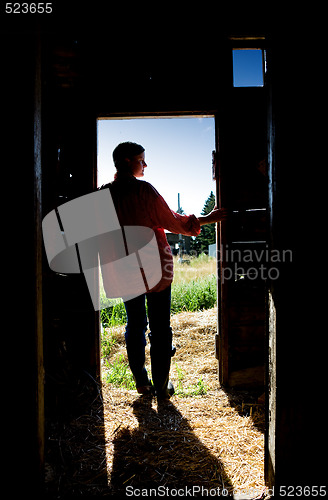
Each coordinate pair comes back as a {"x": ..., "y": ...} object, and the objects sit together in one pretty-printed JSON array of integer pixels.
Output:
[{"x": 61, "y": 73}]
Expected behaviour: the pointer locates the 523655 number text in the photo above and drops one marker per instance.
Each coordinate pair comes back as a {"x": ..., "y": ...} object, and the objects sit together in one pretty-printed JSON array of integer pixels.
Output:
[{"x": 28, "y": 8}]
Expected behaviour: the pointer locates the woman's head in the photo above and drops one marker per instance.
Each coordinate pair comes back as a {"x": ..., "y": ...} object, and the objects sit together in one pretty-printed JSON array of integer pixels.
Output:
[{"x": 129, "y": 158}]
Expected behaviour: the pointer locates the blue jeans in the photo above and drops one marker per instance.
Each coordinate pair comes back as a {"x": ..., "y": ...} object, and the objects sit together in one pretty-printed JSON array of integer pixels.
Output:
[{"x": 160, "y": 336}]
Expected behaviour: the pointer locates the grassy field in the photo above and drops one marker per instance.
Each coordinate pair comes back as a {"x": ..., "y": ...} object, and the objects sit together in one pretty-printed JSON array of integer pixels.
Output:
[
  {"x": 193, "y": 289},
  {"x": 198, "y": 268}
]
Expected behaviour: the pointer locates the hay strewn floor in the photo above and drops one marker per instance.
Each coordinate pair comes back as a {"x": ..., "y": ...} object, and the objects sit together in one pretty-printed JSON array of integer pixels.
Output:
[
  {"x": 207, "y": 441},
  {"x": 203, "y": 440}
]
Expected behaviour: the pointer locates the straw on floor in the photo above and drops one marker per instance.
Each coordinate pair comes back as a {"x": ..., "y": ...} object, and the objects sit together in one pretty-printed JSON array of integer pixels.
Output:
[{"x": 203, "y": 438}]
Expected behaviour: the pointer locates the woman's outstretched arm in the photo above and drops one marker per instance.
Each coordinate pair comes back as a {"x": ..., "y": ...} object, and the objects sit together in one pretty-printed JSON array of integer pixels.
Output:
[{"x": 217, "y": 215}]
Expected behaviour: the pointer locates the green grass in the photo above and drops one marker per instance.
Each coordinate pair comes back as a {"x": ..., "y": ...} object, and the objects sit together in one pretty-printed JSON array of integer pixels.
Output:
[
  {"x": 114, "y": 315},
  {"x": 197, "y": 389},
  {"x": 198, "y": 268},
  {"x": 107, "y": 342},
  {"x": 195, "y": 295},
  {"x": 119, "y": 373},
  {"x": 193, "y": 289}
]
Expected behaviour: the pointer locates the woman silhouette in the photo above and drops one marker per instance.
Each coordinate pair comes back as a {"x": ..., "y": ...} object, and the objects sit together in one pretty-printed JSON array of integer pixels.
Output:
[{"x": 137, "y": 203}]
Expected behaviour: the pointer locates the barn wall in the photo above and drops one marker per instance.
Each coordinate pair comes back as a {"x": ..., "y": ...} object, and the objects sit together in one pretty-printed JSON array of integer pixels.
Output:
[
  {"x": 295, "y": 370},
  {"x": 22, "y": 328}
]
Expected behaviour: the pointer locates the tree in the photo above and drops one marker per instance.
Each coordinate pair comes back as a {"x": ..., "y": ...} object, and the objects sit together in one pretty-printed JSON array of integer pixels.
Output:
[
  {"x": 209, "y": 204},
  {"x": 207, "y": 232}
]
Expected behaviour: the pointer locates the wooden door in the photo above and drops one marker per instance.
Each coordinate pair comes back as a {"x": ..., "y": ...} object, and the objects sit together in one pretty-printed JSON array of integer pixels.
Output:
[
  {"x": 70, "y": 323},
  {"x": 243, "y": 253}
]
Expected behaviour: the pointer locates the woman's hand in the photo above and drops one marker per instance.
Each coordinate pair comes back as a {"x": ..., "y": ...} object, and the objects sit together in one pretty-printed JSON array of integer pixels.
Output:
[{"x": 217, "y": 215}]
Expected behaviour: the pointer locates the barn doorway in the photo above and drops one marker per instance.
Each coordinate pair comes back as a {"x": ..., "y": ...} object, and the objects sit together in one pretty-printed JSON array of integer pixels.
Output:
[
  {"x": 179, "y": 158},
  {"x": 201, "y": 407}
]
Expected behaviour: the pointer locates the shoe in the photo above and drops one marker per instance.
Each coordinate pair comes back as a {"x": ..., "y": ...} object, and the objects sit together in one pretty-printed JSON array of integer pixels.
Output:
[
  {"x": 145, "y": 390},
  {"x": 167, "y": 393}
]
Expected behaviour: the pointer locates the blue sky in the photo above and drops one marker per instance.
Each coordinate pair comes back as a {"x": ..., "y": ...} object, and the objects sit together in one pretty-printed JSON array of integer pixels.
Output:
[
  {"x": 178, "y": 155},
  {"x": 178, "y": 150},
  {"x": 247, "y": 68}
]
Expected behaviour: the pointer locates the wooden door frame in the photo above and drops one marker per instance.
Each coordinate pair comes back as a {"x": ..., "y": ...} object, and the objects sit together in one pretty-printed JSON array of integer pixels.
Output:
[
  {"x": 171, "y": 114},
  {"x": 221, "y": 344}
]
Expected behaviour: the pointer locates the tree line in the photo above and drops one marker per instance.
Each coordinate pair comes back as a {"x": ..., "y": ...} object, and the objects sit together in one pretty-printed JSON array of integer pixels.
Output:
[{"x": 206, "y": 237}]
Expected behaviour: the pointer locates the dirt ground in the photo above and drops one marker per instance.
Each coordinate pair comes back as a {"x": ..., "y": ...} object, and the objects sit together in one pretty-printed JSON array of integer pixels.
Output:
[{"x": 204, "y": 444}]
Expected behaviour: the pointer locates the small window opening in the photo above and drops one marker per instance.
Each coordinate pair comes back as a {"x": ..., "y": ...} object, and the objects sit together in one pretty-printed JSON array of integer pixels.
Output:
[{"x": 247, "y": 67}]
